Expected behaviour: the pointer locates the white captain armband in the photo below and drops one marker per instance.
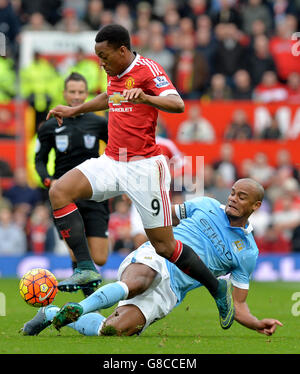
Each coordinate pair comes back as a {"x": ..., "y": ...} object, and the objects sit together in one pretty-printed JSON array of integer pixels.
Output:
[{"x": 180, "y": 211}]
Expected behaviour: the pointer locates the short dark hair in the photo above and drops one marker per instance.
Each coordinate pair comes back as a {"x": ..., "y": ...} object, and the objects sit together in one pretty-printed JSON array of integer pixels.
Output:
[
  {"x": 114, "y": 34},
  {"x": 75, "y": 77}
]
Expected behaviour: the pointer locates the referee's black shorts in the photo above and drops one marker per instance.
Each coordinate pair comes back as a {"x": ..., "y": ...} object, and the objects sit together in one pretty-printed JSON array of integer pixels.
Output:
[{"x": 95, "y": 216}]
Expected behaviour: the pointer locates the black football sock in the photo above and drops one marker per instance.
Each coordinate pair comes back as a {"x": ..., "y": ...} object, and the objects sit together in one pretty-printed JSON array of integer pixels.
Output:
[
  {"x": 187, "y": 260},
  {"x": 70, "y": 224}
]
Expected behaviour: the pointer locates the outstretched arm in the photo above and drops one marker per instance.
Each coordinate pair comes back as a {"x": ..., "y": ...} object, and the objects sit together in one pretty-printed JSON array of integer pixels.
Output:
[
  {"x": 169, "y": 103},
  {"x": 265, "y": 326},
  {"x": 100, "y": 102}
]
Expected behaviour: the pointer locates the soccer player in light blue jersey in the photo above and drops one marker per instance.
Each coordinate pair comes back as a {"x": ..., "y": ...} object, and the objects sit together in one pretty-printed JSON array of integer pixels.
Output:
[{"x": 150, "y": 287}]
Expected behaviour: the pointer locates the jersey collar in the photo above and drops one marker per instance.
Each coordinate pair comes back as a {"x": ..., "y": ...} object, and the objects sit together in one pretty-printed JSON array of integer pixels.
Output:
[
  {"x": 131, "y": 66},
  {"x": 247, "y": 230}
]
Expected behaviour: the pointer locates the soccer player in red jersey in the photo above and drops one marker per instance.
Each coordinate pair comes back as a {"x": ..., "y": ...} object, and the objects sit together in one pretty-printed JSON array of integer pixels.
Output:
[{"x": 132, "y": 163}]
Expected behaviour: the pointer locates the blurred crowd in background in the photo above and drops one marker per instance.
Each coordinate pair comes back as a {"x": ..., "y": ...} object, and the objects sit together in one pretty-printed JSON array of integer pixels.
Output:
[{"x": 212, "y": 50}]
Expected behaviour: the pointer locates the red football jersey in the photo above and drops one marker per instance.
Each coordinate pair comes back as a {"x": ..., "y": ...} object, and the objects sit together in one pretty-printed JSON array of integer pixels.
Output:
[{"x": 131, "y": 127}]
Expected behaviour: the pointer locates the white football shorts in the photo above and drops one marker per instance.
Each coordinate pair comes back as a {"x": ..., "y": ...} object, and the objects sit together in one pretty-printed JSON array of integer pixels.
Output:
[
  {"x": 159, "y": 299},
  {"x": 146, "y": 182}
]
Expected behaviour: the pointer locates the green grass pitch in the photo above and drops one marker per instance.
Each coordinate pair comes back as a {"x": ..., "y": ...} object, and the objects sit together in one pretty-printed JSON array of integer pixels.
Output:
[{"x": 192, "y": 328}]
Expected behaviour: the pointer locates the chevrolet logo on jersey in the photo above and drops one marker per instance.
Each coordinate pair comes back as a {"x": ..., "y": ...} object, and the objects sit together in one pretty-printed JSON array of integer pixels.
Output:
[
  {"x": 239, "y": 245},
  {"x": 117, "y": 99}
]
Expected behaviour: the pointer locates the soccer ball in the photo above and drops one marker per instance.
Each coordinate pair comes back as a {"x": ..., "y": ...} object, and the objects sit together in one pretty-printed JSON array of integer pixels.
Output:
[{"x": 38, "y": 287}]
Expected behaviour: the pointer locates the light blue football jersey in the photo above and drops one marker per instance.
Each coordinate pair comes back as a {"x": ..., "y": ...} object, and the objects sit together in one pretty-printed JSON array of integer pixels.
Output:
[{"x": 223, "y": 248}]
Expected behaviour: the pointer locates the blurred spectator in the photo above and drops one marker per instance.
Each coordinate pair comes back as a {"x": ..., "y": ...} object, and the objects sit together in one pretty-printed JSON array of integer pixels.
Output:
[
  {"x": 260, "y": 60},
  {"x": 37, "y": 22},
  {"x": 93, "y": 13},
  {"x": 21, "y": 193},
  {"x": 106, "y": 17},
  {"x": 230, "y": 53},
  {"x": 275, "y": 188},
  {"x": 93, "y": 73},
  {"x": 291, "y": 188},
  {"x": 261, "y": 170},
  {"x": 41, "y": 231},
  {"x": 284, "y": 163},
  {"x": 218, "y": 89},
  {"x": 21, "y": 216},
  {"x": 194, "y": 8},
  {"x": 39, "y": 81},
  {"x": 270, "y": 89},
  {"x": 273, "y": 242},
  {"x": 281, "y": 8},
  {"x": 258, "y": 29},
  {"x": 143, "y": 16},
  {"x": 205, "y": 42},
  {"x": 71, "y": 23},
  {"x": 195, "y": 128},
  {"x": 119, "y": 227},
  {"x": 261, "y": 219},
  {"x": 288, "y": 218},
  {"x": 50, "y": 9},
  {"x": 12, "y": 237},
  {"x": 9, "y": 26},
  {"x": 156, "y": 28},
  {"x": 239, "y": 128},
  {"x": 78, "y": 5},
  {"x": 219, "y": 190},
  {"x": 186, "y": 26},
  {"x": 157, "y": 51},
  {"x": 245, "y": 168},
  {"x": 272, "y": 132},
  {"x": 140, "y": 41},
  {"x": 122, "y": 16},
  {"x": 254, "y": 10},
  {"x": 281, "y": 46},
  {"x": 171, "y": 19},
  {"x": 208, "y": 175},
  {"x": 226, "y": 13},
  {"x": 225, "y": 165},
  {"x": 160, "y": 6},
  {"x": 190, "y": 72},
  {"x": 293, "y": 88},
  {"x": 242, "y": 87},
  {"x": 8, "y": 79}
]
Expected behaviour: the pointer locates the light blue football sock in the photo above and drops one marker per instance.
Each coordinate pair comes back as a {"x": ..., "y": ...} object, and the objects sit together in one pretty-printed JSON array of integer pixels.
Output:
[
  {"x": 50, "y": 312},
  {"x": 105, "y": 297},
  {"x": 88, "y": 324}
]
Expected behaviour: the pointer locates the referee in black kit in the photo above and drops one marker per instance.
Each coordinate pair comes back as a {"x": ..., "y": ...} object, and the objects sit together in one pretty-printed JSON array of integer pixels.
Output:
[{"x": 74, "y": 142}]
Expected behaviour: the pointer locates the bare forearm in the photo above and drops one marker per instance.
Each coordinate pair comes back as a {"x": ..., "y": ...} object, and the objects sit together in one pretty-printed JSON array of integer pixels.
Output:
[
  {"x": 100, "y": 102},
  {"x": 169, "y": 103},
  {"x": 244, "y": 317}
]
